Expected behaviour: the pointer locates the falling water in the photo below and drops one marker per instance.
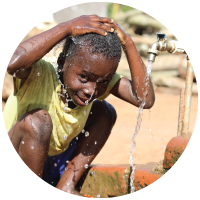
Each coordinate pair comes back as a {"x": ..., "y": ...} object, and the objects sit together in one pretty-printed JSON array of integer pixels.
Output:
[
  {"x": 87, "y": 102},
  {"x": 137, "y": 128}
]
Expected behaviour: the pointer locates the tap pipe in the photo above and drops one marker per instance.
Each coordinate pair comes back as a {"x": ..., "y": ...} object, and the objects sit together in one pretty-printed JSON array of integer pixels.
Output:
[
  {"x": 187, "y": 97},
  {"x": 181, "y": 112}
]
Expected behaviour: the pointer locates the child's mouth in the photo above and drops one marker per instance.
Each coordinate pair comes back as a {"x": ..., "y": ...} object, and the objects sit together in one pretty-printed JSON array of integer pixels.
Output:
[{"x": 81, "y": 101}]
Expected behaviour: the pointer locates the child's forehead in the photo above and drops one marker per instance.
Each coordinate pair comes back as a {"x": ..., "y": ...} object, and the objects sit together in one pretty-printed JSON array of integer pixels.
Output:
[
  {"x": 100, "y": 69},
  {"x": 85, "y": 59}
]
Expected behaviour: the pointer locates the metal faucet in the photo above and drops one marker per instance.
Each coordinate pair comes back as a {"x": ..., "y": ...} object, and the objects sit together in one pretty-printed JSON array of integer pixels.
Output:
[
  {"x": 162, "y": 45},
  {"x": 173, "y": 47}
]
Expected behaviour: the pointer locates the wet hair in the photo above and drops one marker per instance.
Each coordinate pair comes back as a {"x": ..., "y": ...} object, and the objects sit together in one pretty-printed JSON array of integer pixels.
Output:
[{"x": 109, "y": 46}]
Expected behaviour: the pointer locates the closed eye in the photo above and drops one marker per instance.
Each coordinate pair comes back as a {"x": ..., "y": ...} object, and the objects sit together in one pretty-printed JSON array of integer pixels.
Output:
[
  {"x": 105, "y": 82},
  {"x": 83, "y": 77}
]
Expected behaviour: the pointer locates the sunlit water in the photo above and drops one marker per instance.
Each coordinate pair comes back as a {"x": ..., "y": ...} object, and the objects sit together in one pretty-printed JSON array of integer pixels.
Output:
[{"x": 137, "y": 128}]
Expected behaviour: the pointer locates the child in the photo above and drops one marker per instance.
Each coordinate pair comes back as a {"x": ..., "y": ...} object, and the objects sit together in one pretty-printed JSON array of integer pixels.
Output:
[{"x": 52, "y": 119}]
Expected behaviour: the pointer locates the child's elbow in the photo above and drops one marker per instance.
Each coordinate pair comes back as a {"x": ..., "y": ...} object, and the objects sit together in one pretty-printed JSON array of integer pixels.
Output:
[{"x": 149, "y": 104}]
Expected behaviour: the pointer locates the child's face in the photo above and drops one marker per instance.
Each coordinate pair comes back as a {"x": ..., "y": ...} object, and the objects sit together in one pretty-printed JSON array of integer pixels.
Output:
[{"x": 87, "y": 76}]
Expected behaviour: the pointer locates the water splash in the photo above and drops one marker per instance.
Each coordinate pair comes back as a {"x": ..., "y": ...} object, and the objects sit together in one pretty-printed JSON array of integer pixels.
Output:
[
  {"x": 83, "y": 131},
  {"x": 87, "y": 102},
  {"x": 86, "y": 166},
  {"x": 87, "y": 134},
  {"x": 137, "y": 128},
  {"x": 64, "y": 137}
]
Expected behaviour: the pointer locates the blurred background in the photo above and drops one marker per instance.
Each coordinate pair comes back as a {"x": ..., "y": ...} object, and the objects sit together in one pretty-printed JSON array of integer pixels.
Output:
[{"x": 168, "y": 75}]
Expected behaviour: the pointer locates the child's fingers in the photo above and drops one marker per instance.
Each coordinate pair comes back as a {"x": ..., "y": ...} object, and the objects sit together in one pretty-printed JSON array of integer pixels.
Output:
[
  {"x": 105, "y": 27},
  {"x": 113, "y": 25},
  {"x": 101, "y": 19},
  {"x": 98, "y": 31}
]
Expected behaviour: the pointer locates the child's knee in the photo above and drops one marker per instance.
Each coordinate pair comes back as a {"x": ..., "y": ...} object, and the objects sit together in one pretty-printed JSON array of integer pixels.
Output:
[
  {"x": 107, "y": 112},
  {"x": 111, "y": 113},
  {"x": 38, "y": 125}
]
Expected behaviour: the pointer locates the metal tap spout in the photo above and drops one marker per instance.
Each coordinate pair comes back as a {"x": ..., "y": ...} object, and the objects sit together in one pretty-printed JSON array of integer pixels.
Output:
[{"x": 162, "y": 45}]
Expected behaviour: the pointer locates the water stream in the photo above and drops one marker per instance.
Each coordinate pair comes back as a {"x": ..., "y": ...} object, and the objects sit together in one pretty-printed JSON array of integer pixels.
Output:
[{"x": 137, "y": 128}]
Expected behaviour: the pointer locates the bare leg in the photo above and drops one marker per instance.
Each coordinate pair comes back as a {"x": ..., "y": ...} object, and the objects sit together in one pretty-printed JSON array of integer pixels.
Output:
[
  {"x": 30, "y": 137},
  {"x": 99, "y": 126}
]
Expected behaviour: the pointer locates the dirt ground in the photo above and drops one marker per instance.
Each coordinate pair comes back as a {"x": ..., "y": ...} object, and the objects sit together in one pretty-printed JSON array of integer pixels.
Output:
[{"x": 150, "y": 145}]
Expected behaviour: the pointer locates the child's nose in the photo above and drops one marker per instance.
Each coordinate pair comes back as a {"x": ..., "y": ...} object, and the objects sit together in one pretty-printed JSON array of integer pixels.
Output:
[{"x": 90, "y": 90}]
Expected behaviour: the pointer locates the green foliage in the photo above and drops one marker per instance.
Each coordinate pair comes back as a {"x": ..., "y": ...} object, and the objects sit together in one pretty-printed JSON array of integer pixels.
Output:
[{"x": 114, "y": 8}]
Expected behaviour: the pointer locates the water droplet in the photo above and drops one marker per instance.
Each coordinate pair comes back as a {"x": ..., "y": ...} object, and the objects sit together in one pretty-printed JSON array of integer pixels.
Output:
[
  {"x": 55, "y": 164},
  {"x": 68, "y": 183},
  {"x": 64, "y": 91},
  {"x": 14, "y": 75},
  {"x": 67, "y": 161},
  {"x": 66, "y": 169},
  {"x": 32, "y": 147},
  {"x": 22, "y": 142},
  {"x": 87, "y": 134},
  {"x": 161, "y": 140},
  {"x": 165, "y": 146},
  {"x": 76, "y": 138},
  {"x": 155, "y": 138},
  {"x": 149, "y": 129},
  {"x": 98, "y": 195},
  {"x": 95, "y": 142},
  {"x": 64, "y": 137},
  {"x": 90, "y": 112},
  {"x": 38, "y": 74},
  {"x": 83, "y": 131},
  {"x": 86, "y": 166},
  {"x": 151, "y": 135},
  {"x": 84, "y": 112}
]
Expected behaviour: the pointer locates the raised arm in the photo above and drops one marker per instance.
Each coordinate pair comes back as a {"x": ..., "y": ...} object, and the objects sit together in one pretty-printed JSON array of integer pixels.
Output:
[
  {"x": 133, "y": 91},
  {"x": 33, "y": 49}
]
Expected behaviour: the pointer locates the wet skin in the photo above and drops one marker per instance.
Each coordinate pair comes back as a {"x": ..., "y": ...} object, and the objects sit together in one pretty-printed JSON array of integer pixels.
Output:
[
  {"x": 81, "y": 81},
  {"x": 88, "y": 76}
]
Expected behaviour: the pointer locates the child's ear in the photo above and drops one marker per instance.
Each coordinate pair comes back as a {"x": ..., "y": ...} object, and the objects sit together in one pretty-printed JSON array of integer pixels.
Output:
[{"x": 61, "y": 60}]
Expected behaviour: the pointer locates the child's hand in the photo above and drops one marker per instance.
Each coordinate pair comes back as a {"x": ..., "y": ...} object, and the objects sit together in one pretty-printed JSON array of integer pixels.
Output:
[
  {"x": 124, "y": 37},
  {"x": 90, "y": 24}
]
